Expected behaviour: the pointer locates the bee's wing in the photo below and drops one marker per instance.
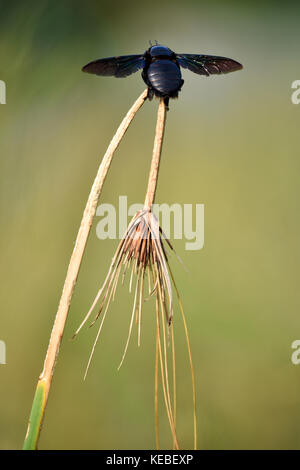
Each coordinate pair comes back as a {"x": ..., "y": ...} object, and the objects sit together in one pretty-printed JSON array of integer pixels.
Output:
[
  {"x": 119, "y": 67},
  {"x": 207, "y": 64}
]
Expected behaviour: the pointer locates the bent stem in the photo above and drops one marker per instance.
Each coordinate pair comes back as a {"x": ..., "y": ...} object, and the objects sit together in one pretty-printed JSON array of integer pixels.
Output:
[{"x": 44, "y": 382}]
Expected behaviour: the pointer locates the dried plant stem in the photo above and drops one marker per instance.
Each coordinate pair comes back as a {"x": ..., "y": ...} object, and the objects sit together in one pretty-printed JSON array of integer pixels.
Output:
[
  {"x": 149, "y": 200},
  {"x": 159, "y": 135},
  {"x": 44, "y": 382}
]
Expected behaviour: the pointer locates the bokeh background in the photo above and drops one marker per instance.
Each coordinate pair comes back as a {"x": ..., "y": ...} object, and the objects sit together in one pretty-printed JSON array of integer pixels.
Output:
[{"x": 232, "y": 143}]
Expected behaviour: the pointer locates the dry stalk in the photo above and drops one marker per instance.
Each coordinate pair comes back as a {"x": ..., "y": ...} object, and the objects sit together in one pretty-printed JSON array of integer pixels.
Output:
[
  {"x": 159, "y": 135},
  {"x": 44, "y": 382},
  {"x": 142, "y": 251}
]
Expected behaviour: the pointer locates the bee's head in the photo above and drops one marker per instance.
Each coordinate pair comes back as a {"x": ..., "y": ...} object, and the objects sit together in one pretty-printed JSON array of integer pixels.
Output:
[{"x": 160, "y": 51}]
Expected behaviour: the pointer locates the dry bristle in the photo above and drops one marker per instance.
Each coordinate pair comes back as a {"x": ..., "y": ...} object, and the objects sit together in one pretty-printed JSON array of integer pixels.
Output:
[{"x": 142, "y": 250}]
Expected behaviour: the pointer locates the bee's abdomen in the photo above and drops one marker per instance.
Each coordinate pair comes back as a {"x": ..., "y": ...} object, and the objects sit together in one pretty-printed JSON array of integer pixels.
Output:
[{"x": 165, "y": 77}]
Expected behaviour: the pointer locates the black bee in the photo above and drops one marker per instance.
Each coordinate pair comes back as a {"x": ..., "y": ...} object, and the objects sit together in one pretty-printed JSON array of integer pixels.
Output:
[{"x": 161, "y": 68}]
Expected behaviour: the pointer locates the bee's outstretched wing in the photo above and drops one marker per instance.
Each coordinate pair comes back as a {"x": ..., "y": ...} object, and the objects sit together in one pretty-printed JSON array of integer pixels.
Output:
[
  {"x": 119, "y": 67},
  {"x": 207, "y": 64}
]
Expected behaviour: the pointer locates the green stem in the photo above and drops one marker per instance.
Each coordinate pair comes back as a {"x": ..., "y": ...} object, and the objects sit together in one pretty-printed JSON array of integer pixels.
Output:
[{"x": 36, "y": 417}]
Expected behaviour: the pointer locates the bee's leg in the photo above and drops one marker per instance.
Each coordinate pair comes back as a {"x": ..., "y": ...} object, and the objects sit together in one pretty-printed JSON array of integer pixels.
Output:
[
  {"x": 166, "y": 101},
  {"x": 150, "y": 93}
]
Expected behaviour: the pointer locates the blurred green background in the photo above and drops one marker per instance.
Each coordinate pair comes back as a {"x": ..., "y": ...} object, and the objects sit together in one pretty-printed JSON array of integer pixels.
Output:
[{"x": 231, "y": 143}]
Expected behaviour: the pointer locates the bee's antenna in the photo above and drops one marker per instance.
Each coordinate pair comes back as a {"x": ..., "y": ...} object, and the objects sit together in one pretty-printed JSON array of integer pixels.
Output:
[{"x": 156, "y": 43}]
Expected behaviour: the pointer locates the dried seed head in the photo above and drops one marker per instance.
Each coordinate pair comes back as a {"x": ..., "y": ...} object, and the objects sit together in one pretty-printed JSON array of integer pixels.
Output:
[{"x": 142, "y": 251}]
